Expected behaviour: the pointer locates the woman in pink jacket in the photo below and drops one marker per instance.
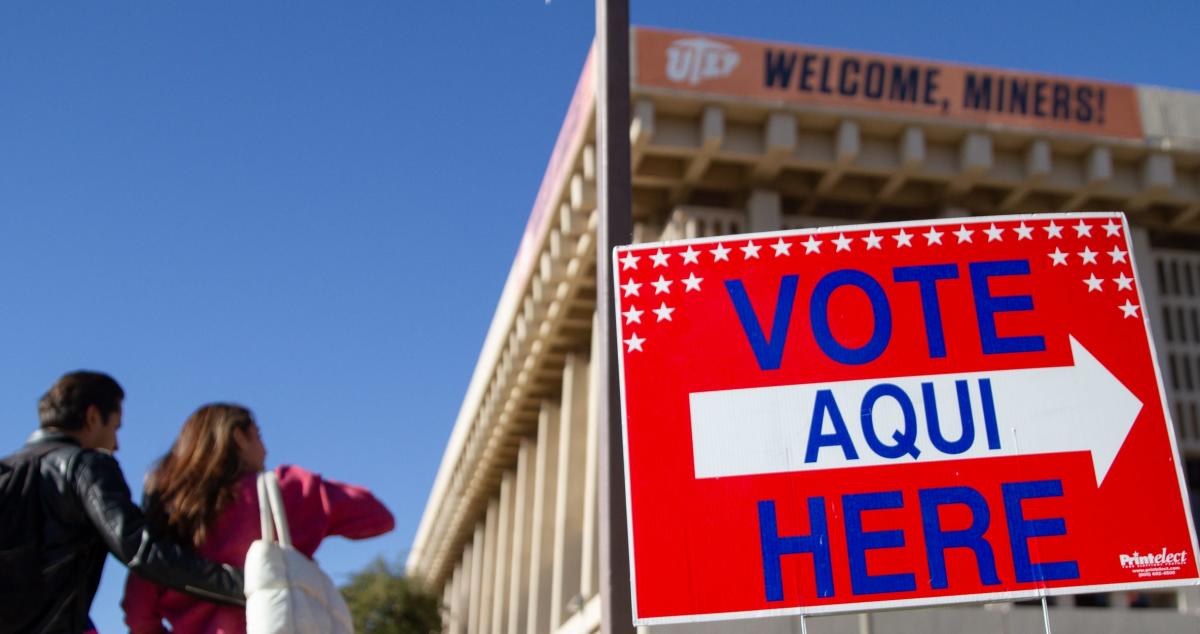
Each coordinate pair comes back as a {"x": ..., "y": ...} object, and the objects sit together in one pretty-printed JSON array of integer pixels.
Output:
[{"x": 203, "y": 492}]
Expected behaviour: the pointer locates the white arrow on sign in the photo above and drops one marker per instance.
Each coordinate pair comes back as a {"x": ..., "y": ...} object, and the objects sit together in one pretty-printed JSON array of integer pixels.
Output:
[{"x": 1080, "y": 407}]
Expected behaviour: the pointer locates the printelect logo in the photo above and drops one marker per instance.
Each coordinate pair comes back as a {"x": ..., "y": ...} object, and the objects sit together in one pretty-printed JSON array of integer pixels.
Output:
[
  {"x": 694, "y": 60},
  {"x": 1154, "y": 564}
]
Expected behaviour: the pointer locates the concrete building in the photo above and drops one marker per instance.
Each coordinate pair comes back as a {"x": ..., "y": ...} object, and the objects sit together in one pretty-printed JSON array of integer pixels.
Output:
[{"x": 732, "y": 136}]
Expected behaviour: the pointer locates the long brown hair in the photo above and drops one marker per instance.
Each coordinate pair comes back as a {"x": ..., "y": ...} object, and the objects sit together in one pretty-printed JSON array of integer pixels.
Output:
[{"x": 194, "y": 481}]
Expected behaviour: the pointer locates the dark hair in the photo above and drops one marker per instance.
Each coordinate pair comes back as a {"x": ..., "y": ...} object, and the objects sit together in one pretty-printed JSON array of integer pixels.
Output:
[
  {"x": 64, "y": 405},
  {"x": 195, "y": 481}
]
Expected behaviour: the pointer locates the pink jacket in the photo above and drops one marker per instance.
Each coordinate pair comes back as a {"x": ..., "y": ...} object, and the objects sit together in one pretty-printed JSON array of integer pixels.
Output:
[{"x": 316, "y": 509}]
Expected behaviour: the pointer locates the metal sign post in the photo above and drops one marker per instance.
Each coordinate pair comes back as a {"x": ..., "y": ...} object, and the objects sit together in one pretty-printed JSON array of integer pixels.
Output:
[{"x": 614, "y": 229}]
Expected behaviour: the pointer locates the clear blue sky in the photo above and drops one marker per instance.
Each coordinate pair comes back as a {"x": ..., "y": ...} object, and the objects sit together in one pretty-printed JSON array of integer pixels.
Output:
[{"x": 311, "y": 207}]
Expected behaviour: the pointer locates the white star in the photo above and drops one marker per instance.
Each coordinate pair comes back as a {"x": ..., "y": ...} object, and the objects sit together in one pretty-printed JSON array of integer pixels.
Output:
[
  {"x": 873, "y": 241},
  {"x": 964, "y": 234},
  {"x": 993, "y": 232},
  {"x": 1093, "y": 283},
  {"x": 720, "y": 253},
  {"x": 1117, "y": 255},
  {"x": 691, "y": 256},
  {"x": 1082, "y": 229},
  {"x": 1124, "y": 283},
  {"x": 692, "y": 283},
  {"x": 663, "y": 285},
  {"x": 1059, "y": 257},
  {"x": 751, "y": 250},
  {"x": 1023, "y": 232},
  {"x": 633, "y": 315},
  {"x": 933, "y": 236},
  {"x": 1129, "y": 308},
  {"x": 635, "y": 343},
  {"x": 663, "y": 312},
  {"x": 842, "y": 242},
  {"x": 1053, "y": 230},
  {"x": 903, "y": 239},
  {"x": 812, "y": 245},
  {"x": 660, "y": 258},
  {"x": 631, "y": 288},
  {"x": 1111, "y": 228},
  {"x": 1087, "y": 255},
  {"x": 629, "y": 262},
  {"x": 782, "y": 248}
]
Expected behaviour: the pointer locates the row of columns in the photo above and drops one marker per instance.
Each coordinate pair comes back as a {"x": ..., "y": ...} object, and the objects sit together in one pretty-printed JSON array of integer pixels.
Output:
[{"x": 532, "y": 563}]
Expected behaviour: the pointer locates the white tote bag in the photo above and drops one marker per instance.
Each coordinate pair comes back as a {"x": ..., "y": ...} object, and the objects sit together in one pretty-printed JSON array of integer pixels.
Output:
[{"x": 286, "y": 592}]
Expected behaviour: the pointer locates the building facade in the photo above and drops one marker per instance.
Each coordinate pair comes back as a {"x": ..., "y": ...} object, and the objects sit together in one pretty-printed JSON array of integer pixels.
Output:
[{"x": 732, "y": 136}]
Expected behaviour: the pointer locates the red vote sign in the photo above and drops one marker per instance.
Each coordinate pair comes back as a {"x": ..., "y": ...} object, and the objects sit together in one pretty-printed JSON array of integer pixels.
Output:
[{"x": 880, "y": 416}]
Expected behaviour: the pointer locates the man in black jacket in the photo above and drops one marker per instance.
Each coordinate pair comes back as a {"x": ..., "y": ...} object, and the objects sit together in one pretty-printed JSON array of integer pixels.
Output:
[{"x": 88, "y": 511}]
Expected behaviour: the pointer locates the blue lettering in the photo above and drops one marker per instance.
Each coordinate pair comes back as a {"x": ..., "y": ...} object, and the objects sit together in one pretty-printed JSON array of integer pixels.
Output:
[
  {"x": 967, "y": 438},
  {"x": 905, "y": 442},
  {"x": 987, "y": 305},
  {"x": 938, "y": 540},
  {"x": 989, "y": 413},
  {"x": 1021, "y": 530},
  {"x": 778, "y": 67},
  {"x": 847, "y": 85},
  {"x": 840, "y": 436},
  {"x": 926, "y": 278},
  {"x": 768, "y": 353},
  {"x": 774, "y": 547},
  {"x": 858, "y": 542},
  {"x": 819, "y": 311}
]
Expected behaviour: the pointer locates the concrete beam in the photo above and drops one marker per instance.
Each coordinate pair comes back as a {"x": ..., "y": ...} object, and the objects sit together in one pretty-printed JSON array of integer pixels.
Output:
[
  {"x": 1157, "y": 176},
  {"x": 1098, "y": 172},
  {"x": 1038, "y": 163},
  {"x": 847, "y": 144},
  {"x": 712, "y": 134},
  {"x": 641, "y": 130},
  {"x": 975, "y": 158},
  {"x": 912, "y": 154},
  {"x": 779, "y": 141}
]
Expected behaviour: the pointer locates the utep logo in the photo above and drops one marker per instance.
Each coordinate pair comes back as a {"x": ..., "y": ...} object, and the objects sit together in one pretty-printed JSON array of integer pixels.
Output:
[{"x": 694, "y": 60}]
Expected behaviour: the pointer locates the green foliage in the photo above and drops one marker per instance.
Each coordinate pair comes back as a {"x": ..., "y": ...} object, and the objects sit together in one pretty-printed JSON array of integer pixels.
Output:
[{"x": 384, "y": 601}]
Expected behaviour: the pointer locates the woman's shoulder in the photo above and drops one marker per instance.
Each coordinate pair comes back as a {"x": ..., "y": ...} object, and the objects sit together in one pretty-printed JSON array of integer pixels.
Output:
[{"x": 292, "y": 477}]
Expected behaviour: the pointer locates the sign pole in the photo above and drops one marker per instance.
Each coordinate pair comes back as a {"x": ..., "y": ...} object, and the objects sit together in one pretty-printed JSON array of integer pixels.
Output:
[
  {"x": 1045, "y": 615},
  {"x": 613, "y": 229}
]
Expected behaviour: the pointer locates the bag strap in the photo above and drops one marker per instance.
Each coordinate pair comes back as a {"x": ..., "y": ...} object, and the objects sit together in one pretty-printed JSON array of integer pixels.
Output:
[
  {"x": 271, "y": 512},
  {"x": 264, "y": 509}
]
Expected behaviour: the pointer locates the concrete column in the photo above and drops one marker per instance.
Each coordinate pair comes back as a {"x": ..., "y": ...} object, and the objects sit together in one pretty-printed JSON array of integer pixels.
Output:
[
  {"x": 588, "y": 567},
  {"x": 458, "y": 605},
  {"x": 764, "y": 211},
  {"x": 518, "y": 583},
  {"x": 462, "y": 594},
  {"x": 500, "y": 586},
  {"x": 541, "y": 535},
  {"x": 568, "y": 509},
  {"x": 476, "y": 585},
  {"x": 488, "y": 569},
  {"x": 448, "y": 601}
]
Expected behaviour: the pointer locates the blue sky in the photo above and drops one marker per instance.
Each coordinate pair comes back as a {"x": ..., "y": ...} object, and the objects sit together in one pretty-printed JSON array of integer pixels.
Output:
[{"x": 310, "y": 208}]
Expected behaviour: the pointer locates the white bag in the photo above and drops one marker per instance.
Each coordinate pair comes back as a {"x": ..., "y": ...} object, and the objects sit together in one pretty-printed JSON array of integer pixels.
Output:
[{"x": 286, "y": 592}]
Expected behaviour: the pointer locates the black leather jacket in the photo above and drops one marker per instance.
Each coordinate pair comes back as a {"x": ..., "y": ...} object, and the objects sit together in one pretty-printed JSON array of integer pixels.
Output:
[{"x": 89, "y": 513}]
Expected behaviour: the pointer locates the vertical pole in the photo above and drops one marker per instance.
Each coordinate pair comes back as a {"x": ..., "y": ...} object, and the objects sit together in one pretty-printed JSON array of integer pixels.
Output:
[
  {"x": 1045, "y": 615},
  {"x": 613, "y": 229}
]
